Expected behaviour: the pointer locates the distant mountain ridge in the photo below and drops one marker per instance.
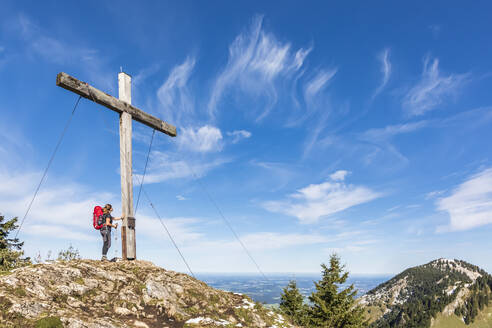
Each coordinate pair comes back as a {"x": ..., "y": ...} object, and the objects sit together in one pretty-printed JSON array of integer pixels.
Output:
[{"x": 418, "y": 295}]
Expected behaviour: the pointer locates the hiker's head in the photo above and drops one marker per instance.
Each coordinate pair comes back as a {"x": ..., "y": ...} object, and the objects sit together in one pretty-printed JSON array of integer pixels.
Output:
[{"x": 107, "y": 208}]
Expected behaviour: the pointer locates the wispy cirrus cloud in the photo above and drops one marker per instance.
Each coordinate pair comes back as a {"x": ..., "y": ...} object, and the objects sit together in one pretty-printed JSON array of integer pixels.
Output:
[
  {"x": 42, "y": 43},
  {"x": 432, "y": 90},
  {"x": 470, "y": 204},
  {"x": 383, "y": 57},
  {"x": 314, "y": 97},
  {"x": 279, "y": 173},
  {"x": 256, "y": 60},
  {"x": 313, "y": 136},
  {"x": 383, "y": 134},
  {"x": 317, "y": 83},
  {"x": 175, "y": 96},
  {"x": 3, "y": 57},
  {"x": 311, "y": 203},
  {"x": 381, "y": 138},
  {"x": 239, "y": 135}
]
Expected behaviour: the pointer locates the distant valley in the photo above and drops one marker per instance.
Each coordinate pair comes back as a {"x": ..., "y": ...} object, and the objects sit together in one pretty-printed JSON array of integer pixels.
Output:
[{"x": 268, "y": 291}]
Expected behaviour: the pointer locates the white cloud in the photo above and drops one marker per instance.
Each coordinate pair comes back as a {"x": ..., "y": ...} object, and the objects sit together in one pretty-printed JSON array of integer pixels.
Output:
[
  {"x": 314, "y": 133},
  {"x": 204, "y": 139},
  {"x": 238, "y": 135},
  {"x": 316, "y": 101},
  {"x": 316, "y": 201},
  {"x": 353, "y": 247},
  {"x": 385, "y": 70},
  {"x": 66, "y": 208},
  {"x": 167, "y": 166},
  {"x": 174, "y": 95},
  {"x": 315, "y": 85},
  {"x": 339, "y": 175},
  {"x": 64, "y": 211},
  {"x": 434, "y": 194},
  {"x": 181, "y": 197},
  {"x": 470, "y": 204},
  {"x": 273, "y": 240},
  {"x": 381, "y": 139},
  {"x": 183, "y": 230},
  {"x": 432, "y": 90},
  {"x": 256, "y": 60},
  {"x": 144, "y": 74},
  {"x": 61, "y": 232},
  {"x": 277, "y": 174},
  {"x": 260, "y": 241},
  {"x": 383, "y": 134}
]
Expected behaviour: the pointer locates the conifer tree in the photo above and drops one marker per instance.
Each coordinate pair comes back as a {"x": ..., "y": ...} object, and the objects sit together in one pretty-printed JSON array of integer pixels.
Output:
[
  {"x": 10, "y": 248},
  {"x": 329, "y": 306},
  {"x": 292, "y": 304}
]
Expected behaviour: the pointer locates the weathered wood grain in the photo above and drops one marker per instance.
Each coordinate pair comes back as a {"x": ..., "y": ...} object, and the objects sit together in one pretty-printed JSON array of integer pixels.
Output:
[
  {"x": 128, "y": 235},
  {"x": 85, "y": 90}
]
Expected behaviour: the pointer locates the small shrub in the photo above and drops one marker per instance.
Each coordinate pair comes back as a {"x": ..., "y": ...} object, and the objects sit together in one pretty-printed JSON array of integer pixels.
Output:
[
  {"x": 19, "y": 291},
  {"x": 49, "y": 322},
  {"x": 69, "y": 254}
]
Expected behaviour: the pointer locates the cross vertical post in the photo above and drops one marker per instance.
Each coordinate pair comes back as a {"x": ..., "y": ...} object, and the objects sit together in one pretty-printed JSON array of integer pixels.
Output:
[
  {"x": 123, "y": 106},
  {"x": 128, "y": 242}
]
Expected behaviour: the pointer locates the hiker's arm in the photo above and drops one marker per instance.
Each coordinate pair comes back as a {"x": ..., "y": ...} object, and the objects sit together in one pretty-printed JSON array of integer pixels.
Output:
[{"x": 108, "y": 223}]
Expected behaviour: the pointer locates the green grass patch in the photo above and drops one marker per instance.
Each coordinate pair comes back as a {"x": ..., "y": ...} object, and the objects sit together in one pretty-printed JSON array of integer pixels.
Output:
[
  {"x": 483, "y": 320},
  {"x": 49, "y": 322},
  {"x": 19, "y": 291},
  {"x": 373, "y": 313}
]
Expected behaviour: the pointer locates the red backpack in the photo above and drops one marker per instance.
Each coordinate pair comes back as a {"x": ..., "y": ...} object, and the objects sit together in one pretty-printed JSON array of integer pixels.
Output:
[{"x": 97, "y": 218}]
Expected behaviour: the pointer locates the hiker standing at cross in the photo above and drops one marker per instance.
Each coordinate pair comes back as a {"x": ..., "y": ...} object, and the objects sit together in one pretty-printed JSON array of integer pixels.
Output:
[{"x": 127, "y": 112}]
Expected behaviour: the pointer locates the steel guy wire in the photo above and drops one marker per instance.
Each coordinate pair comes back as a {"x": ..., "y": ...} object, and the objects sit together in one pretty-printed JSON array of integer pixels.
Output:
[{"x": 49, "y": 164}]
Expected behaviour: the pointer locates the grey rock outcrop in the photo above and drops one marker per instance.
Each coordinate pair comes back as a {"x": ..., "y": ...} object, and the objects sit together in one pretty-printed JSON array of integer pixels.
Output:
[{"x": 90, "y": 294}]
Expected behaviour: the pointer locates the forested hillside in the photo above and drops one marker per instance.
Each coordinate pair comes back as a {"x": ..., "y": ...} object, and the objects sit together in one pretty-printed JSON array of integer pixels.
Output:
[{"x": 415, "y": 297}]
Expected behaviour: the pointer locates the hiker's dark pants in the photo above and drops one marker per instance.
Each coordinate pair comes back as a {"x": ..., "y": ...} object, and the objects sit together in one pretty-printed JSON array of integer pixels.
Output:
[{"x": 106, "y": 235}]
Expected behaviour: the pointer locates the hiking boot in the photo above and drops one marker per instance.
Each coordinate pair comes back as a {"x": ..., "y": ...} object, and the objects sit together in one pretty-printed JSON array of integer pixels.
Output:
[{"x": 104, "y": 258}]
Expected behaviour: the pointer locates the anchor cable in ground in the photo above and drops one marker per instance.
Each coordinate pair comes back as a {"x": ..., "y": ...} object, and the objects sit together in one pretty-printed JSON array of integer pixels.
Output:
[
  {"x": 49, "y": 164},
  {"x": 212, "y": 200},
  {"x": 168, "y": 232}
]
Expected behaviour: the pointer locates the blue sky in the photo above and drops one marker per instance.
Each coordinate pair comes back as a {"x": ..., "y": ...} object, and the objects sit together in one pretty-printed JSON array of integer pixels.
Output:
[{"x": 357, "y": 128}]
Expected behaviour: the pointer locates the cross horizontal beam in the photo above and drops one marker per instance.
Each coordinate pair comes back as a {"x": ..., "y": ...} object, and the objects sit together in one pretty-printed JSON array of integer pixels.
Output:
[{"x": 85, "y": 90}]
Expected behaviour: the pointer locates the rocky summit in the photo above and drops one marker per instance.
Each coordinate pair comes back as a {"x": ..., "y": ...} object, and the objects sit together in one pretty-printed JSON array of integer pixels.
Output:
[{"x": 86, "y": 293}]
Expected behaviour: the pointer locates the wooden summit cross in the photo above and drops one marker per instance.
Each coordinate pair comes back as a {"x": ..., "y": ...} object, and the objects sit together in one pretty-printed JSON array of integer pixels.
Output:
[{"x": 127, "y": 112}]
